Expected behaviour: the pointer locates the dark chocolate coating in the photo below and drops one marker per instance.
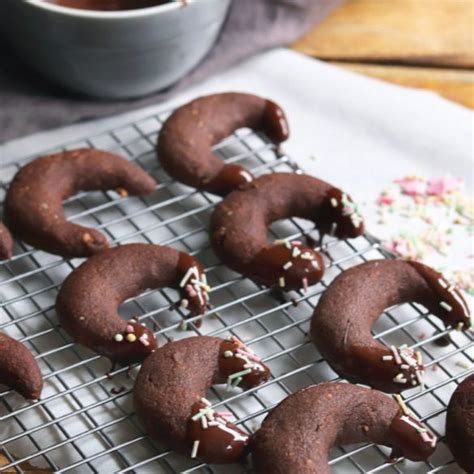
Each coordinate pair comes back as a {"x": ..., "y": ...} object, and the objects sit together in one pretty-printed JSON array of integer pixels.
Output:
[
  {"x": 186, "y": 139},
  {"x": 33, "y": 205},
  {"x": 169, "y": 392},
  {"x": 6, "y": 243},
  {"x": 19, "y": 369},
  {"x": 297, "y": 435},
  {"x": 342, "y": 321},
  {"x": 240, "y": 223},
  {"x": 89, "y": 298},
  {"x": 460, "y": 424}
]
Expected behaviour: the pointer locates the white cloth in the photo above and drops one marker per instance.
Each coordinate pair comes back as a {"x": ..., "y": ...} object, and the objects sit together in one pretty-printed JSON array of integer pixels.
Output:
[{"x": 363, "y": 132}]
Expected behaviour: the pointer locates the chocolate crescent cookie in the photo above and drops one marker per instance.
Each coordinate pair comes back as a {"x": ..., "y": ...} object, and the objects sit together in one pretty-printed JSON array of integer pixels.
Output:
[
  {"x": 342, "y": 321},
  {"x": 6, "y": 243},
  {"x": 460, "y": 424},
  {"x": 88, "y": 300},
  {"x": 33, "y": 205},
  {"x": 170, "y": 389},
  {"x": 19, "y": 369},
  {"x": 186, "y": 139},
  {"x": 240, "y": 223},
  {"x": 297, "y": 435}
]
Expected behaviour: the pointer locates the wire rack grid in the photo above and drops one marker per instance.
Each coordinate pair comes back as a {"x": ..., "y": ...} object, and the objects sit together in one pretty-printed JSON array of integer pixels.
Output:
[{"x": 85, "y": 420}]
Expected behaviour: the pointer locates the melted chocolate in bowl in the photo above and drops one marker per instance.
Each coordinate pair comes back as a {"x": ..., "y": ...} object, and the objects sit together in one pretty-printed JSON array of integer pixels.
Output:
[{"x": 105, "y": 5}]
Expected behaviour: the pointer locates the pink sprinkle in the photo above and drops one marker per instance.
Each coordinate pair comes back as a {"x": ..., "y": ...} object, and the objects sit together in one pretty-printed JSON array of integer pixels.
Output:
[
  {"x": 445, "y": 185},
  {"x": 386, "y": 200},
  {"x": 224, "y": 414},
  {"x": 402, "y": 247},
  {"x": 428, "y": 438},
  {"x": 236, "y": 340},
  {"x": 412, "y": 186},
  {"x": 249, "y": 355},
  {"x": 130, "y": 328},
  {"x": 144, "y": 340},
  {"x": 191, "y": 291},
  {"x": 305, "y": 284},
  {"x": 296, "y": 242}
]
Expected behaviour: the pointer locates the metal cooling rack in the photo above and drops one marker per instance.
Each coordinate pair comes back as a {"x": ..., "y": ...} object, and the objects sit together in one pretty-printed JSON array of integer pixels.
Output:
[{"x": 85, "y": 420}]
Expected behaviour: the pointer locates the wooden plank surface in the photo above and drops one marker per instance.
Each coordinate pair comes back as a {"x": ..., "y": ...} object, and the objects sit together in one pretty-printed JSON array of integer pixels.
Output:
[
  {"x": 455, "y": 85},
  {"x": 430, "y": 41}
]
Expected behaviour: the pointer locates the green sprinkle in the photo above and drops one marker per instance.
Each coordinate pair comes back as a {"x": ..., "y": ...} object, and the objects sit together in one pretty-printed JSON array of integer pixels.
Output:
[
  {"x": 228, "y": 354},
  {"x": 202, "y": 412},
  {"x": 239, "y": 374},
  {"x": 236, "y": 381}
]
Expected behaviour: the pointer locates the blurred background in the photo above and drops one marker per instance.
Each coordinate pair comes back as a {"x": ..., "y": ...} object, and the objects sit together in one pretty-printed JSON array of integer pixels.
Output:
[{"x": 418, "y": 43}]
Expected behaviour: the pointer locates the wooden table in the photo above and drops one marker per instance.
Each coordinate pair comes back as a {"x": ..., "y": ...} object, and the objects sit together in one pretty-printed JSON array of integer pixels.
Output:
[{"x": 418, "y": 43}]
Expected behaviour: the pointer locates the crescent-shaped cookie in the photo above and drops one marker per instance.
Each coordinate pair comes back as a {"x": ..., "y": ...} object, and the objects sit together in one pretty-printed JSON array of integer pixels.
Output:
[
  {"x": 6, "y": 243},
  {"x": 185, "y": 142},
  {"x": 239, "y": 227},
  {"x": 19, "y": 369},
  {"x": 297, "y": 435},
  {"x": 34, "y": 201},
  {"x": 89, "y": 297},
  {"x": 342, "y": 321},
  {"x": 169, "y": 395},
  {"x": 460, "y": 424}
]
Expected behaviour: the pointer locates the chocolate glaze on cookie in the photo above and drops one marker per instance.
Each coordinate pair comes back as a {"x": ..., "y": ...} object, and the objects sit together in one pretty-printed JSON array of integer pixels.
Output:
[
  {"x": 240, "y": 223},
  {"x": 186, "y": 139},
  {"x": 342, "y": 321},
  {"x": 89, "y": 298},
  {"x": 460, "y": 424},
  {"x": 297, "y": 435},
  {"x": 19, "y": 369},
  {"x": 33, "y": 205},
  {"x": 6, "y": 243},
  {"x": 170, "y": 389}
]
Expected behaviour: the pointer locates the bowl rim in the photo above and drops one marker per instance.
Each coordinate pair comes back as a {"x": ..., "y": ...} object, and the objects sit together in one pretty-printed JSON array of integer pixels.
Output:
[{"x": 108, "y": 15}]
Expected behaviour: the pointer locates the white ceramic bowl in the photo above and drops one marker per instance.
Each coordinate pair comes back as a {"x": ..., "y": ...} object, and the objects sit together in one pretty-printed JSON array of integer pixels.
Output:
[{"x": 112, "y": 55}]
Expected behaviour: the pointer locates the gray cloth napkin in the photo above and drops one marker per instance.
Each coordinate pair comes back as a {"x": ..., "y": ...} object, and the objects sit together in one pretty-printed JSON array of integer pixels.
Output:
[{"x": 28, "y": 105}]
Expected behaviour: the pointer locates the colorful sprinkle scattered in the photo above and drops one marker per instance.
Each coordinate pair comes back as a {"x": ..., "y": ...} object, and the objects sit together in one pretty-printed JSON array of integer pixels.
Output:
[
  {"x": 432, "y": 213},
  {"x": 206, "y": 401},
  {"x": 201, "y": 412},
  {"x": 252, "y": 363},
  {"x": 402, "y": 405},
  {"x": 195, "y": 449},
  {"x": 351, "y": 210},
  {"x": 195, "y": 285},
  {"x": 446, "y": 306}
]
